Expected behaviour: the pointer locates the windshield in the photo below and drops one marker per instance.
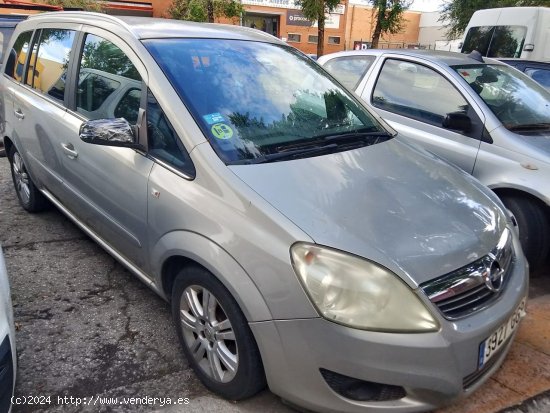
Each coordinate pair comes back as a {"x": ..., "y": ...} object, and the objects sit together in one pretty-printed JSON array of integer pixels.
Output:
[
  {"x": 260, "y": 102},
  {"x": 495, "y": 41},
  {"x": 522, "y": 105}
]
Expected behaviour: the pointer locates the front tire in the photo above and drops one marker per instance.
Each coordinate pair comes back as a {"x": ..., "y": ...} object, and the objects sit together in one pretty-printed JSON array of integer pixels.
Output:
[
  {"x": 28, "y": 194},
  {"x": 533, "y": 225},
  {"x": 215, "y": 335}
]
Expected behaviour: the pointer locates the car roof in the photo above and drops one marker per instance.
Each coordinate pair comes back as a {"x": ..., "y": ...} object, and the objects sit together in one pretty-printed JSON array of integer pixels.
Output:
[
  {"x": 435, "y": 56},
  {"x": 154, "y": 28}
]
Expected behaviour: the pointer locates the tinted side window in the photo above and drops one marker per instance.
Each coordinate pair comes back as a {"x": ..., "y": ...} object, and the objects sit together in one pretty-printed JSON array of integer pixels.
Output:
[
  {"x": 495, "y": 41},
  {"x": 94, "y": 89},
  {"x": 18, "y": 56},
  {"x": 105, "y": 76},
  {"x": 415, "y": 91},
  {"x": 52, "y": 59},
  {"x": 507, "y": 41},
  {"x": 478, "y": 38},
  {"x": 163, "y": 142},
  {"x": 128, "y": 107},
  {"x": 349, "y": 70}
]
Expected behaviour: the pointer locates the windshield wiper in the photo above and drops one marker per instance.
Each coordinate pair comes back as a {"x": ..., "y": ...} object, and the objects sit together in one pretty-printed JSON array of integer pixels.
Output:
[
  {"x": 288, "y": 154},
  {"x": 319, "y": 144},
  {"x": 344, "y": 138},
  {"x": 370, "y": 138},
  {"x": 296, "y": 153},
  {"x": 530, "y": 126}
]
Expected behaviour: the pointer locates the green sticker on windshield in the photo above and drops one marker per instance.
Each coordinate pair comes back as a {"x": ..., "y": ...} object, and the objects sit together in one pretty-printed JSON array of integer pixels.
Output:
[{"x": 222, "y": 131}]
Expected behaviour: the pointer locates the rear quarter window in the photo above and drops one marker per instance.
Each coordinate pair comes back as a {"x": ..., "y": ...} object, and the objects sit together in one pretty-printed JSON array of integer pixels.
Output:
[
  {"x": 18, "y": 56},
  {"x": 349, "y": 70}
]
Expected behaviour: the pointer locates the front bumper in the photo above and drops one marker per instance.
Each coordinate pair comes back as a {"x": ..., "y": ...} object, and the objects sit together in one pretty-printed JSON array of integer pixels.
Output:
[{"x": 431, "y": 367}]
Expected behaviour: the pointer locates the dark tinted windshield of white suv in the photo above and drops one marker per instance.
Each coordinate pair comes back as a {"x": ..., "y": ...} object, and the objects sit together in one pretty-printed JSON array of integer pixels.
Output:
[
  {"x": 259, "y": 102},
  {"x": 495, "y": 41}
]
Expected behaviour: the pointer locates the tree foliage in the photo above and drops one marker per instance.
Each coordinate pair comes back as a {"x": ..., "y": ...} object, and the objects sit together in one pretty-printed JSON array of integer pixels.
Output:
[
  {"x": 104, "y": 56},
  {"x": 204, "y": 10},
  {"x": 87, "y": 5},
  {"x": 315, "y": 10},
  {"x": 457, "y": 13},
  {"x": 389, "y": 17}
]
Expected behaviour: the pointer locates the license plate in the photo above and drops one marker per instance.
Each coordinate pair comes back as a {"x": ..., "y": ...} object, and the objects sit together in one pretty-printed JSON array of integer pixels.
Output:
[{"x": 489, "y": 347}]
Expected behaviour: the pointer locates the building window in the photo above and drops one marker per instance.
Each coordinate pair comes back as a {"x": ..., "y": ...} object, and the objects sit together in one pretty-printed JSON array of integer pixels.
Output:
[
  {"x": 312, "y": 39},
  {"x": 334, "y": 40},
  {"x": 294, "y": 37}
]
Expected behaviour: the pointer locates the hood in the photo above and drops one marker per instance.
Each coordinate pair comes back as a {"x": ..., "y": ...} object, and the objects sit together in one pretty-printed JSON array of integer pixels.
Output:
[
  {"x": 390, "y": 203},
  {"x": 540, "y": 143}
]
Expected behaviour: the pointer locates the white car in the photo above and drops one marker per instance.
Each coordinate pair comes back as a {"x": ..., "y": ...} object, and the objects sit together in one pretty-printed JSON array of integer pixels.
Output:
[
  {"x": 480, "y": 114},
  {"x": 7, "y": 341}
]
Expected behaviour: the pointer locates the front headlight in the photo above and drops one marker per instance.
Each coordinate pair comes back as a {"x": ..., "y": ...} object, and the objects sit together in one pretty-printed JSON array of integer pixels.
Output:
[{"x": 358, "y": 293}]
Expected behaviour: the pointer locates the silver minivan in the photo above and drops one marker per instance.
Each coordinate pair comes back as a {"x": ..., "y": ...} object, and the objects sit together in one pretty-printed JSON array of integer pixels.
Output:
[
  {"x": 482, "y": 115},
  {"x": 301, "y": 243}
]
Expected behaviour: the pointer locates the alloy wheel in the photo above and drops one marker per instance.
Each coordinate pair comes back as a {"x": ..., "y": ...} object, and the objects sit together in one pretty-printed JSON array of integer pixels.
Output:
[
  {"x": 208, "y": 334},
  {"x": 21, "y": 178}
]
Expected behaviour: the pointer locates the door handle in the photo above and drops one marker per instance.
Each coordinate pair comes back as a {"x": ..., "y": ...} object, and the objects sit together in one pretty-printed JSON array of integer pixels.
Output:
[
  {"x": 69, "y": 150},
  {"x": 19, "y": 114}
]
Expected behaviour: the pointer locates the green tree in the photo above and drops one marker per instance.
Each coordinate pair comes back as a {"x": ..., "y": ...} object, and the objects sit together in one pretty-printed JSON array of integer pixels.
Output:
[
  {"x": 104, "y": 56},
  {"x": 457, "y": 13},
  {"x": 87, "y": 5},
  {"x": 204, "y": 10},
  {"x": 315, "y": 10},
  {"x": 389, "y": 17}
]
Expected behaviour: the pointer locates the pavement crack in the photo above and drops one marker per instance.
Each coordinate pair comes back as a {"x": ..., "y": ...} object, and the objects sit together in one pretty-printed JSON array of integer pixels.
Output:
[
  {"x": 508, "y": 387},
  {"x": 128, "y": 334},
  {"x": 31, "y": 244}
]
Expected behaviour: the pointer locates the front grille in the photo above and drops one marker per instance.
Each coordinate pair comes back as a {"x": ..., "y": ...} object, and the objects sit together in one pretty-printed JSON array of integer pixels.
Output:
[{"x": 474, "y": 286}]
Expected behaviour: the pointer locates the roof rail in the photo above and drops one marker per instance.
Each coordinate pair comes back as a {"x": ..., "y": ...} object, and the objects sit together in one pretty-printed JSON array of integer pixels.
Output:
[{"x": 88, "y": 14}]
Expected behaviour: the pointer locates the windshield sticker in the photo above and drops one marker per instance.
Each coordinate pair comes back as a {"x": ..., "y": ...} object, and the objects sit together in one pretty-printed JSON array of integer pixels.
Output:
[
  {"x": 222, "y": 131},
  {"x": 213, "y": 118}
]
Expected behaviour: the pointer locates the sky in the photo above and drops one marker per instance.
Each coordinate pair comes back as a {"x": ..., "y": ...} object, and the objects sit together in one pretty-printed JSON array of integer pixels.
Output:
[{"x": 426, "y": 5}]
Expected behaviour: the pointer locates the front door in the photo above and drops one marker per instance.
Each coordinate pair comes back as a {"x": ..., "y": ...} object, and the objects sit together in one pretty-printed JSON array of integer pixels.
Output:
[
  {"x": 415, "y": 99},
  {"x": 107, "y": 185}
]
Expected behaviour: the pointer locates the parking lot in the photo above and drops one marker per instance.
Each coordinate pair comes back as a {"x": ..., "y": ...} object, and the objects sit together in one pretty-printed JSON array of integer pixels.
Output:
[{"x": 86, "y": 328}]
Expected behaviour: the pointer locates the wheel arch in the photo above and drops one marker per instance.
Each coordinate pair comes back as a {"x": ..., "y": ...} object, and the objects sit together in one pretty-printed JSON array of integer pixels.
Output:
[
  {"x": 517, "y": 192},
  {"x": 180, "y": 249}
]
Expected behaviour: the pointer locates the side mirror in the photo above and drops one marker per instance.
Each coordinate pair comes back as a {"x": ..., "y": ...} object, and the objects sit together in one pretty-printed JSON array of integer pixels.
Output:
[
  {"x": 109, "y": 132},
  {"x": 457, "y": 121}
]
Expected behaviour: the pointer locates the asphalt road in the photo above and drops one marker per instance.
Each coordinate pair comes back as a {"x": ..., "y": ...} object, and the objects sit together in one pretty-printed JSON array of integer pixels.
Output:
[{"x": 87, "y": 328}]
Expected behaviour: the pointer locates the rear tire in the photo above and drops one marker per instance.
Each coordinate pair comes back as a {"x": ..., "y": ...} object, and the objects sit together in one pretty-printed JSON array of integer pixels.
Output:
[
  {"x": 215, "y": 335},
  {"x": 28, "y": 194},
  {"x": 533, "y": 225}
]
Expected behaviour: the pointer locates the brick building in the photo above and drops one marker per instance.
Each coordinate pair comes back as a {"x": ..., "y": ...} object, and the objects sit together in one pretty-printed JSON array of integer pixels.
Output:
[
  {"x": 360, "y": 27},
  {"x": 349, "y": 26}
]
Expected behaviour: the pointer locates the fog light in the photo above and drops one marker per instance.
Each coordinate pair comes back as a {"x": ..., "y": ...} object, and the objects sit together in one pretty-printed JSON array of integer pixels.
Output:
[{"x": 361, "y": 390}]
